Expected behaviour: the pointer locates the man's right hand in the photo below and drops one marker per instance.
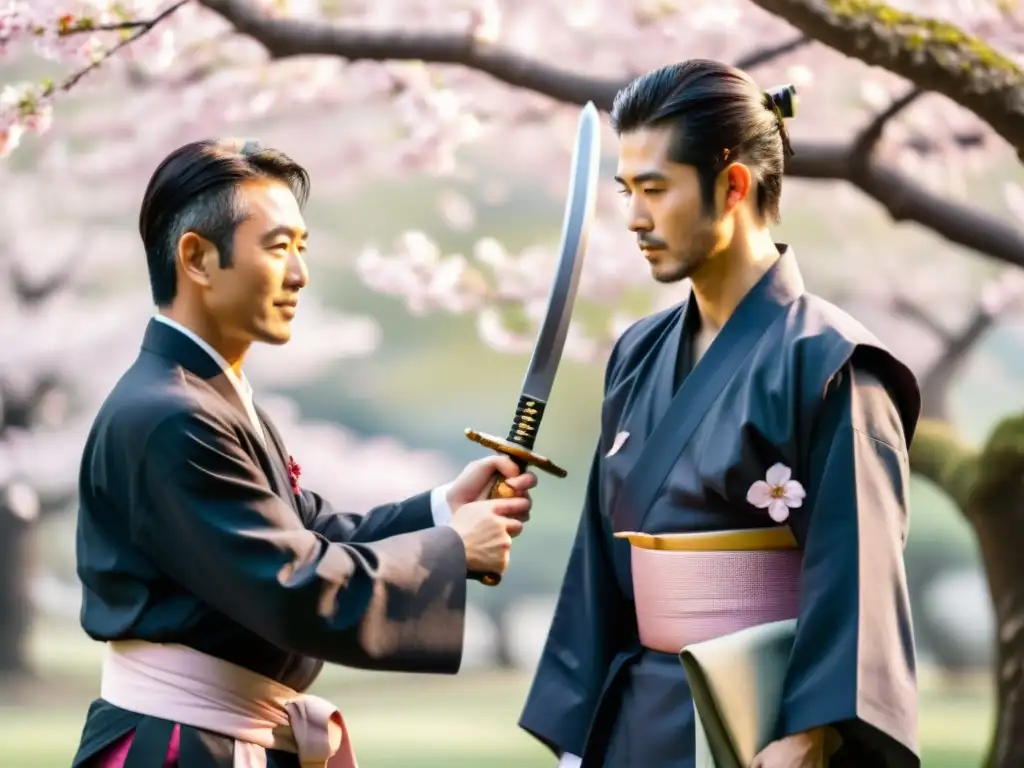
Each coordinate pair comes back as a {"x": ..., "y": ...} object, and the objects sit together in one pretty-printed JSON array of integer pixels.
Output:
[{"x": 487, "y": 528}]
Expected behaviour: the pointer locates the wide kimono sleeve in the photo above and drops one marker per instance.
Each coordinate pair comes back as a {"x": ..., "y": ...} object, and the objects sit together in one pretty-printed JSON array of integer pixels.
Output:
[
  {"x": 852, "y": 665},
  {"x": 203, "y": 515}
]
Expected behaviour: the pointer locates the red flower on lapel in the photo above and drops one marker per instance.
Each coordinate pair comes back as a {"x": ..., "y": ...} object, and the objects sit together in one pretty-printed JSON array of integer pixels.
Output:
[{"x": 294, "y": 470}]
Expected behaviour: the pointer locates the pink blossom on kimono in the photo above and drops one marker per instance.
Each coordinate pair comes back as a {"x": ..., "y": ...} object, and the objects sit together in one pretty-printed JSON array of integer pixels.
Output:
[{"x": 778, "y": 493}]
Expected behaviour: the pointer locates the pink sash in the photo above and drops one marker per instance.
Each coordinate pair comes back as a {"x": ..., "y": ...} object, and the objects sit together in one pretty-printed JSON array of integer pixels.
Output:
[
  {"x": 182, "y": 685},
  {"x": 685, "y": 597}
]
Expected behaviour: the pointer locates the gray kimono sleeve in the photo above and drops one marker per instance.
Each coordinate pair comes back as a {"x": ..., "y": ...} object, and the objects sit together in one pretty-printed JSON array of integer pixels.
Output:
[{"x": 853, "y": 662}]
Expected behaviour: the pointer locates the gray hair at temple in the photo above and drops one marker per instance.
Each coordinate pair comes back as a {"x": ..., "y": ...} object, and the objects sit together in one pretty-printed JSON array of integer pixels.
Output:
[
  {"x": 194, "y": 190},
  {"x": 719, "y": 115}
]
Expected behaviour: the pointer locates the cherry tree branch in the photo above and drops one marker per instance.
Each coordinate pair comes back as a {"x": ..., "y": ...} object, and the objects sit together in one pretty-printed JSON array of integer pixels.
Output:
[
  {"x": 288, "y": 37},
  {"x": 34, "y": 292},
  {"x": 140, "y": 27},
  {"x": 906, "y": 200},
  {"x": 85, "y": 26},
  {"x": 999, "y": 297},
  {"x": 900, "y": 195},
  {"x": 934, "y": 55},
  {"x": 866, "y": 141},
  {"x": 911, "y": 310},
  {"x": 768, "y": 54},
  {"x": 20, "y": 409},
  {"x": 937, "y": 380}
]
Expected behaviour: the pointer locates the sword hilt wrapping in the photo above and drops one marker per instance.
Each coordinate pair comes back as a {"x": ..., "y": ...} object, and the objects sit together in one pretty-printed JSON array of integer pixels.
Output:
[{"x": 526, "y": 422}]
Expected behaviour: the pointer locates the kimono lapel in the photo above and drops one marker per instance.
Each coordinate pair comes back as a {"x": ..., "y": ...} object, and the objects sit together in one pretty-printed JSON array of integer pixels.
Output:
[
  {"x": 278, "y": 459},
  {"x": 676, "y": 424},
  {"x": 171, "y": 344},
  {"x": 675, "y": 351}
]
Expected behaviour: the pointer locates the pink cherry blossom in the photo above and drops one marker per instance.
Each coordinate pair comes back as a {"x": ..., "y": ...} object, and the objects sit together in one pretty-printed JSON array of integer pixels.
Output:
[
  {"x": 778, "y": 493},
  {"x": 128, "y": 81}
]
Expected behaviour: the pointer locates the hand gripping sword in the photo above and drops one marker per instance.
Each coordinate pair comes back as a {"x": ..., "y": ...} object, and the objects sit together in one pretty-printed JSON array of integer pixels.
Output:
[{"x": 547, "y": 350}]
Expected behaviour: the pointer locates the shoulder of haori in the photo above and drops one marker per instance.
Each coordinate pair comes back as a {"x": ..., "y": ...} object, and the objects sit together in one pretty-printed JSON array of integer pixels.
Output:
[
  {"x": 823, "y": 318},
  {"x": 851, "y": 343},
  {"x": 822, "y": 331},
  {"x": 798, "y": 356},
  {"x": 822, "y": 339}
]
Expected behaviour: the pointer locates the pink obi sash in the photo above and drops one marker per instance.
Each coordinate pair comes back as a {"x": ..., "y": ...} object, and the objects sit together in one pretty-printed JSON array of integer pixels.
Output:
[
  {"x": 182, "y": 685},
  {"x": 689, "y": 588}
]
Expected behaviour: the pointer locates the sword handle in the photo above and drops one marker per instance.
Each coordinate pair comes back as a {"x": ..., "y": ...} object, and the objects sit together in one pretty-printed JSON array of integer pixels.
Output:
[{"x": 498, "y": 488}]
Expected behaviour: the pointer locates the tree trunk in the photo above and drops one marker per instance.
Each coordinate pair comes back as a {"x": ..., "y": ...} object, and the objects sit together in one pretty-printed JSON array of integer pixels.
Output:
[
  {"x": 996, "y": 508},
  {"x": 988, "y": 487},
  {"x": 15, "y": 600}
]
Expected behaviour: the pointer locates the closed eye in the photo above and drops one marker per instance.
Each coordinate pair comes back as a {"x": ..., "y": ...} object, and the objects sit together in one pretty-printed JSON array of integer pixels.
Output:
[{"x": 649, "y": 192}]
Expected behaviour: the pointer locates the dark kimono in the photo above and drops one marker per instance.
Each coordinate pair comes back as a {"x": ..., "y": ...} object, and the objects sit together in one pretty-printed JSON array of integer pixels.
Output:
[
  {"x": 790, "y": 379},
  {"x": 189, "y": 532}
]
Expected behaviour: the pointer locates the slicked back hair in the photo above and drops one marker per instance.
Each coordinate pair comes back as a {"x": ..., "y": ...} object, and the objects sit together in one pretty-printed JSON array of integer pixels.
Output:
[
  {"x": 718, "y": 115},
  {"x": 195, "y": 189}
]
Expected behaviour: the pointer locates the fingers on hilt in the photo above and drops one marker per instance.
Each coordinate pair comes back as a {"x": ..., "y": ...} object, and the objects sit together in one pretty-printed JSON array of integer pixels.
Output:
[
  {"x": 501, "y": 490},
  {"x": 519, "y": 453}
]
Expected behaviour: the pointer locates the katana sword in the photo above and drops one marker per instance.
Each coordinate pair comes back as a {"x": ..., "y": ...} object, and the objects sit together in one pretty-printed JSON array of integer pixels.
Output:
[{"x": 547, "y": 350}]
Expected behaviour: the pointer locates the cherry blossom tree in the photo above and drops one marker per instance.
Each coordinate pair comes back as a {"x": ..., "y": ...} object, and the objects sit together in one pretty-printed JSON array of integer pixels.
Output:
[{"x": 903, "y": 105}]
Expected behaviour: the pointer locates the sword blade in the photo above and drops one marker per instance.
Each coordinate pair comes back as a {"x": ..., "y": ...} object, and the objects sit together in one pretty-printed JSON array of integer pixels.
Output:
[{"x": 579, "y": 211}]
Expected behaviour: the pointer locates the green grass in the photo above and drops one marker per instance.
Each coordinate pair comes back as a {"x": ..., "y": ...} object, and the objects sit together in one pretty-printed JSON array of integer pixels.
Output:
[{"x": 401, "y": 720}]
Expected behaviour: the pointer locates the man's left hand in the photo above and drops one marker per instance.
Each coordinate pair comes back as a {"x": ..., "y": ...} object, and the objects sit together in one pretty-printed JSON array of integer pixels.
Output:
[
  {"x": 801, "y": 750},
  {"x": 475, "y": 480}
]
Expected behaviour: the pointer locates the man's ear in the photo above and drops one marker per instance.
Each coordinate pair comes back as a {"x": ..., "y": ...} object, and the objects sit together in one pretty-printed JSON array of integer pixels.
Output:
[
  {"x": 196, "y": 258},
  {"x": 732, "y": 187}
]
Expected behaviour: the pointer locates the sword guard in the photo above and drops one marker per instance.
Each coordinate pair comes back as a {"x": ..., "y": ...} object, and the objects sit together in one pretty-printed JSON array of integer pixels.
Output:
[
  {"x": 520, "y": 454},
  {"x": 523, "y": 457}
]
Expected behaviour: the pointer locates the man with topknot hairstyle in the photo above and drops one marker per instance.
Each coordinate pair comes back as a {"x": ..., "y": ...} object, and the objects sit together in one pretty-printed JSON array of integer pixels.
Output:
[{"x": 758, "y": 416}]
